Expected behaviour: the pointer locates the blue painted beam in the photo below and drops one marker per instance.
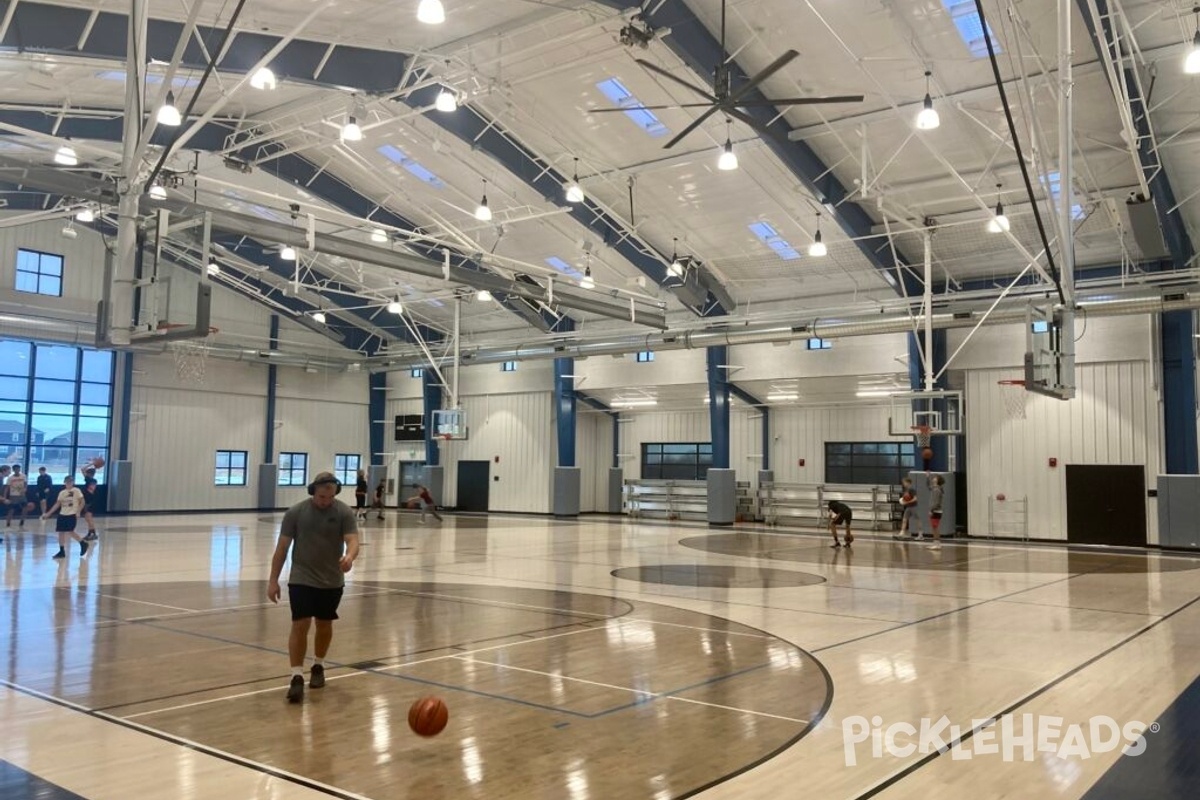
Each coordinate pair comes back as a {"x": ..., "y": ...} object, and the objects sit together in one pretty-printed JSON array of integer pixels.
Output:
[
  {"x": 487, "y": 136},
  {"x": 701, "y": 51},
  {"x": 272, "y": 380},
  {"x": 431, "y": 398},
  {"x": 616, "y": 423},
  {"x": 564, "y": 410},
  {"x": 52, "y": 29},
  {"x": 718, "y": 405},
  {"x": 765, "y": 419},
  {"x": 377, "y": 405},
  {"x": 1179, "y": 391}
]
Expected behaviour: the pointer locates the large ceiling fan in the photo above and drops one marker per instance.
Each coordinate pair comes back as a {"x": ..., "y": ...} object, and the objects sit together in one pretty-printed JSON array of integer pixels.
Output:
[{"x": 724, "y": 99}]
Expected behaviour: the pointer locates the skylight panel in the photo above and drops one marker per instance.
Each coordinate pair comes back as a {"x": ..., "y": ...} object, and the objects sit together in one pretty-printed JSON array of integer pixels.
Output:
[
  {"x": 178, "y": 82},
  {"x": 398, "y": 156},
  {"x": 1054, "y": 182},
  {"x": 771, "y": 238},
  {"x": 970, "y": 27},
  {"x": 621, "y": 97},
  {"x": 564, "y": 268}
]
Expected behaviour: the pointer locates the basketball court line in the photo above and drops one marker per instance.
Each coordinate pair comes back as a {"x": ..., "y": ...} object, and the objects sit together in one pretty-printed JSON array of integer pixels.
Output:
[{"x": 208, "y": 750}]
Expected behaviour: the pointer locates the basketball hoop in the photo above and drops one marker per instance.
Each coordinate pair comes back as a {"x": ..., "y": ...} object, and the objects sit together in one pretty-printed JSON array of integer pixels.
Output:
[
  {"x": 191, "y": 357},
  {"x": 1013, "y": 392},
  {"x": 924, "y": 435}
]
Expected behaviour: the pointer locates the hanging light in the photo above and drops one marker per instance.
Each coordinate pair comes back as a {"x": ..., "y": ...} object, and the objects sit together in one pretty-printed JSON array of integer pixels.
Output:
[
  {"x": 999, "y": 223},
  {"x": 214, "y": 268},
  {"x": 447, "y": 100},
  {"x": 586, "y": 282},
  {"x": 483, "y": 296},
  {"x": 574, "y": 190},
  {"x": 85, "y": 214},
  {"x": 379, "y": 236},
  {"x": 158, "y": 192},
  {"x": 352, "y": 131},
  {"x": 263, "y": 78},
  {"x": 676, "y": 268},
  {"x": 431, "y": 12},
  {"x": 319, "y": 316},
  {"x": 169, "y": 114},
  {"x": 288, "y": 253},
  {"x": 66, "y": 155},
  {"x": 482, "y": 212},
  {"x": 728, "y": 160},
  {"x": 927, "y": 117},
  {"x": 818, "y": 249},
  {"x": 69, "y": 231},
  {"x": 395, "y": 307},
  {"x": 1191, "y": 64}
]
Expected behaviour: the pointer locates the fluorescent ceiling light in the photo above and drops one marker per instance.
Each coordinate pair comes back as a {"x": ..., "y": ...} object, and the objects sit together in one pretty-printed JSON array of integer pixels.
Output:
[
  {"x": 69, "y": 231},
  {"x": 446, "y": 101},
  {"x": 635, "y": 403},
  {"x": 66, "y": 156},
  {"x": 875, "y": 392},
  {"x": 431, "y": 12},
  {"x": 780, "y": 397},
  {"x": 264, "y": 79}
]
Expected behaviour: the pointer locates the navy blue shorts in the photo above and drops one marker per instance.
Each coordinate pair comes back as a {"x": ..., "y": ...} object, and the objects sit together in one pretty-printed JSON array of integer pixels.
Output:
[{"x": 309, "y": 601}]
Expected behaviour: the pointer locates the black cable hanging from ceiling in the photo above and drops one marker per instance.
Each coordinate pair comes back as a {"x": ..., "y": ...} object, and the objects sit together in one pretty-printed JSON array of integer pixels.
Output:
[
  {"x": 1012, "y": 131},
  {"x": 208, "y": 70}
]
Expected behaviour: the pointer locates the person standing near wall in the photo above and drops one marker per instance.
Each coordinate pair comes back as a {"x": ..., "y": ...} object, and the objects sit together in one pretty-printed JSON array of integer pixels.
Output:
[
  {"x": 69, "y": 504},
  {"x": 908, "y": 509},
  {"x": 360, "y": 496},
  {"x": 15, "y": 491},
  {"x": 45, "y": 489},
  {"x": 322, "y": 534},
  {"x": 936, "y": 493}
]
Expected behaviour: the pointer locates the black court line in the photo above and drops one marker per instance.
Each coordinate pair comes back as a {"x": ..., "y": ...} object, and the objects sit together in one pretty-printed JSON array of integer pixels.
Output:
[
  {"x": 953, "y": 744},
  {"x": 19, "y": 784}
]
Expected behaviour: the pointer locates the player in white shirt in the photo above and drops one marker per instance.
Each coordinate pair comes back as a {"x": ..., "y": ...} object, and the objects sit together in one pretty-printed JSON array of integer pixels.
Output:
[{"x": 69, "y": 505}]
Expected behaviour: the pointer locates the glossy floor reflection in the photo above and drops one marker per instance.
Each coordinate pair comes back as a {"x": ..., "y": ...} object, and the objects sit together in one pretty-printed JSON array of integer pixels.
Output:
[{"x": 592, "y": 659}]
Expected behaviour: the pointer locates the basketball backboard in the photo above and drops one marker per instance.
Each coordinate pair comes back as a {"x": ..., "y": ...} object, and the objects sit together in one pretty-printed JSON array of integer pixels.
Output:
[
  {"x": 1050, "y": 351},
  {"x": 940, "y": 411},
  {"x": 449, "y": 423}
]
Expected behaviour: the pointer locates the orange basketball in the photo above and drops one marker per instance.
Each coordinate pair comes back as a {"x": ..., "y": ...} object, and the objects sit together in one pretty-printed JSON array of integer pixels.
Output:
[
  {"x": 927, "y": 453},
  {"x": 428, "y": 716},
  {"x": 97, "y": 462},
  {"x": 1000, "y": 497}
]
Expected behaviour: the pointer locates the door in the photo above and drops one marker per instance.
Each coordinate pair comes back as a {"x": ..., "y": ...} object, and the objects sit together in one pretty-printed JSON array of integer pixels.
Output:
[
  {"x": 1106, "y": 504},
  {"x": 473, "y": 480}
]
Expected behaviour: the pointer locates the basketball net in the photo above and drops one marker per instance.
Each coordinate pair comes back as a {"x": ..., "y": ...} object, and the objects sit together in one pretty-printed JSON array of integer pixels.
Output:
[
  {"x": 1014, "y": 394},
  {"x": 924, "y": 435},
  {"x": 191, "y": 358}
]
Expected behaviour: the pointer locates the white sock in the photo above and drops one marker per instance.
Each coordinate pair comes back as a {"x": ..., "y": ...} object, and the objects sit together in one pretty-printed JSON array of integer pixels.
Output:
[
  {"x": 319, "y": 662},
  {"x": 298, "y": 671}
]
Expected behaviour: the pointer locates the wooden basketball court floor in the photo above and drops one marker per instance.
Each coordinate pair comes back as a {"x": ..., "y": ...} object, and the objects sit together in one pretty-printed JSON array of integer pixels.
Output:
[{"x": 601, "y": 658}]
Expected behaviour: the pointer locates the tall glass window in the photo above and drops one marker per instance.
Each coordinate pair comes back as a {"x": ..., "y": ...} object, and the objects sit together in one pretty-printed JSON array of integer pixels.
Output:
[{"x": 55, "y": 406}]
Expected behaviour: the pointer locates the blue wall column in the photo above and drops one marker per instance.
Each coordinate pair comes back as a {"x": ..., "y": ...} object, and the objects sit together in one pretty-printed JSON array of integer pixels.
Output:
[
  {"x": 916, "y": 378},
  {"x": 377, "y": 409},
  {"x": 564, "y": 409},
  {"x": 718, "y": 405},
  {"x": 432, "y": 396},
  {"x": 1179, "y": 391}
]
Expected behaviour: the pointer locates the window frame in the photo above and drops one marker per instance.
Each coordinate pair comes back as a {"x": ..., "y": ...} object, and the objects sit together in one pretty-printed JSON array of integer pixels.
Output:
[
  {"x": 229, "y": 470},
  {"x": 865, "y": 463},
  {"x": 347, "y": 476},
  {"x": 508, "y": 366},
  {"x": 645, "y": 356},
  {"x": 39, "y": 273},
  {"x": 287, "y": 477},
  {"x": 690, "y": 461}
]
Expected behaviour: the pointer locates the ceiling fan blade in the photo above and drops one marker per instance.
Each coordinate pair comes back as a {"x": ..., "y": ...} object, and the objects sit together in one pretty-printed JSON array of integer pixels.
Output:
[
  {"x": 763, "y": 130},
  {"x": 695, "y": 124},
  {"x": 763, "y": 74},
  {"x": 648, "y": 108},
  {"x": 802, "y": 101},
  {"x": 657, "y": 70}
]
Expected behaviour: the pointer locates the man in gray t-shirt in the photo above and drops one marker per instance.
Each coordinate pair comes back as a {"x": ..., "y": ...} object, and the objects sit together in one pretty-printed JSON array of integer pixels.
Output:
[{"x": 322, "y": 534}]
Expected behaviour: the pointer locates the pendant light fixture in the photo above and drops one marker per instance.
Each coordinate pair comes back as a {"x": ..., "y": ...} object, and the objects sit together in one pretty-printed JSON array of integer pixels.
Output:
[
  {"x": 728, "y": 160},
  {"x": 395, "y": 307},
  {"x": 483, "y": 295},
  {"x": 263, "y": 78},
  {"x": 927, "y": 117},
  {"x": 446, "y": 101},
  {"x": 379, "y": 236},
  {"x": 676, "y": 268},
  {"x": 319, "y": 316},
  {"x": 482, "y": 212},
  {"x": 85, "y": 214},
  {"x": 431, "y": 12},
  {"x": 169, "y": 114},
  {"x": 818, "y": 249},
  {"x": 158, "y": 192},
  {"x": 214, "y": 268},
  {"x": 587, "y": 282},
  {"x": 66, "y": 155},
  {"x": 574, "y": 190},
  {"x": 288, "y": 253},
  {"x": 999, "y": 223},
  {"x": 1191, "y": 64},
  {"x": 352, "y": 131}
]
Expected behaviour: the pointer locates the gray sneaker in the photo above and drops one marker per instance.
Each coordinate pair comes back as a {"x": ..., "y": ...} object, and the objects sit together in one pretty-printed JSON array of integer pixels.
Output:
[
  {"x": 296, "y": 689},
  {"x": 316, "y": 678}
]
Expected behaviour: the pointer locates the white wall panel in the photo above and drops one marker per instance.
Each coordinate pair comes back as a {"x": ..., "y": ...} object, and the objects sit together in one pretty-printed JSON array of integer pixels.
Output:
[
  {"x": 669, "y": 368},
  {"x": 854, "y": 355},
  {"x": 83, "y": 262},
  {"x": 519, "y": 428},
  {"x": 689, "y": 426},
  {"x": 1103, "y": 339},
  {"x": 321, "y": 428},
  {"x": 593, "y": 455},
  {"x": 1114, "y": 419},
  {"x": 801, "y": 433}
]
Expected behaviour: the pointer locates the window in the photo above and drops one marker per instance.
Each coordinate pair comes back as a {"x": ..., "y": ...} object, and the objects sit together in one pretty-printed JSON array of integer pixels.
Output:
[
  {"x": 771, "y": 238},
  {"x": 676, "y": 461},
  {"x": 293, "y": 469},
  {"x": 820, "y": 344},
  {"x": 621, "y": 97},
  {"x": 645, "y": 356},
  {"x": 871, "y": 463},
  {"x": 970, "y": 27},
  {"x": 346, "y": 467},
  {"x": 508, "y": 366},
  {"x": 231, "y": 468},
  {"x": 416, "y": 372},
  {"x": 39, "y": 273}
]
